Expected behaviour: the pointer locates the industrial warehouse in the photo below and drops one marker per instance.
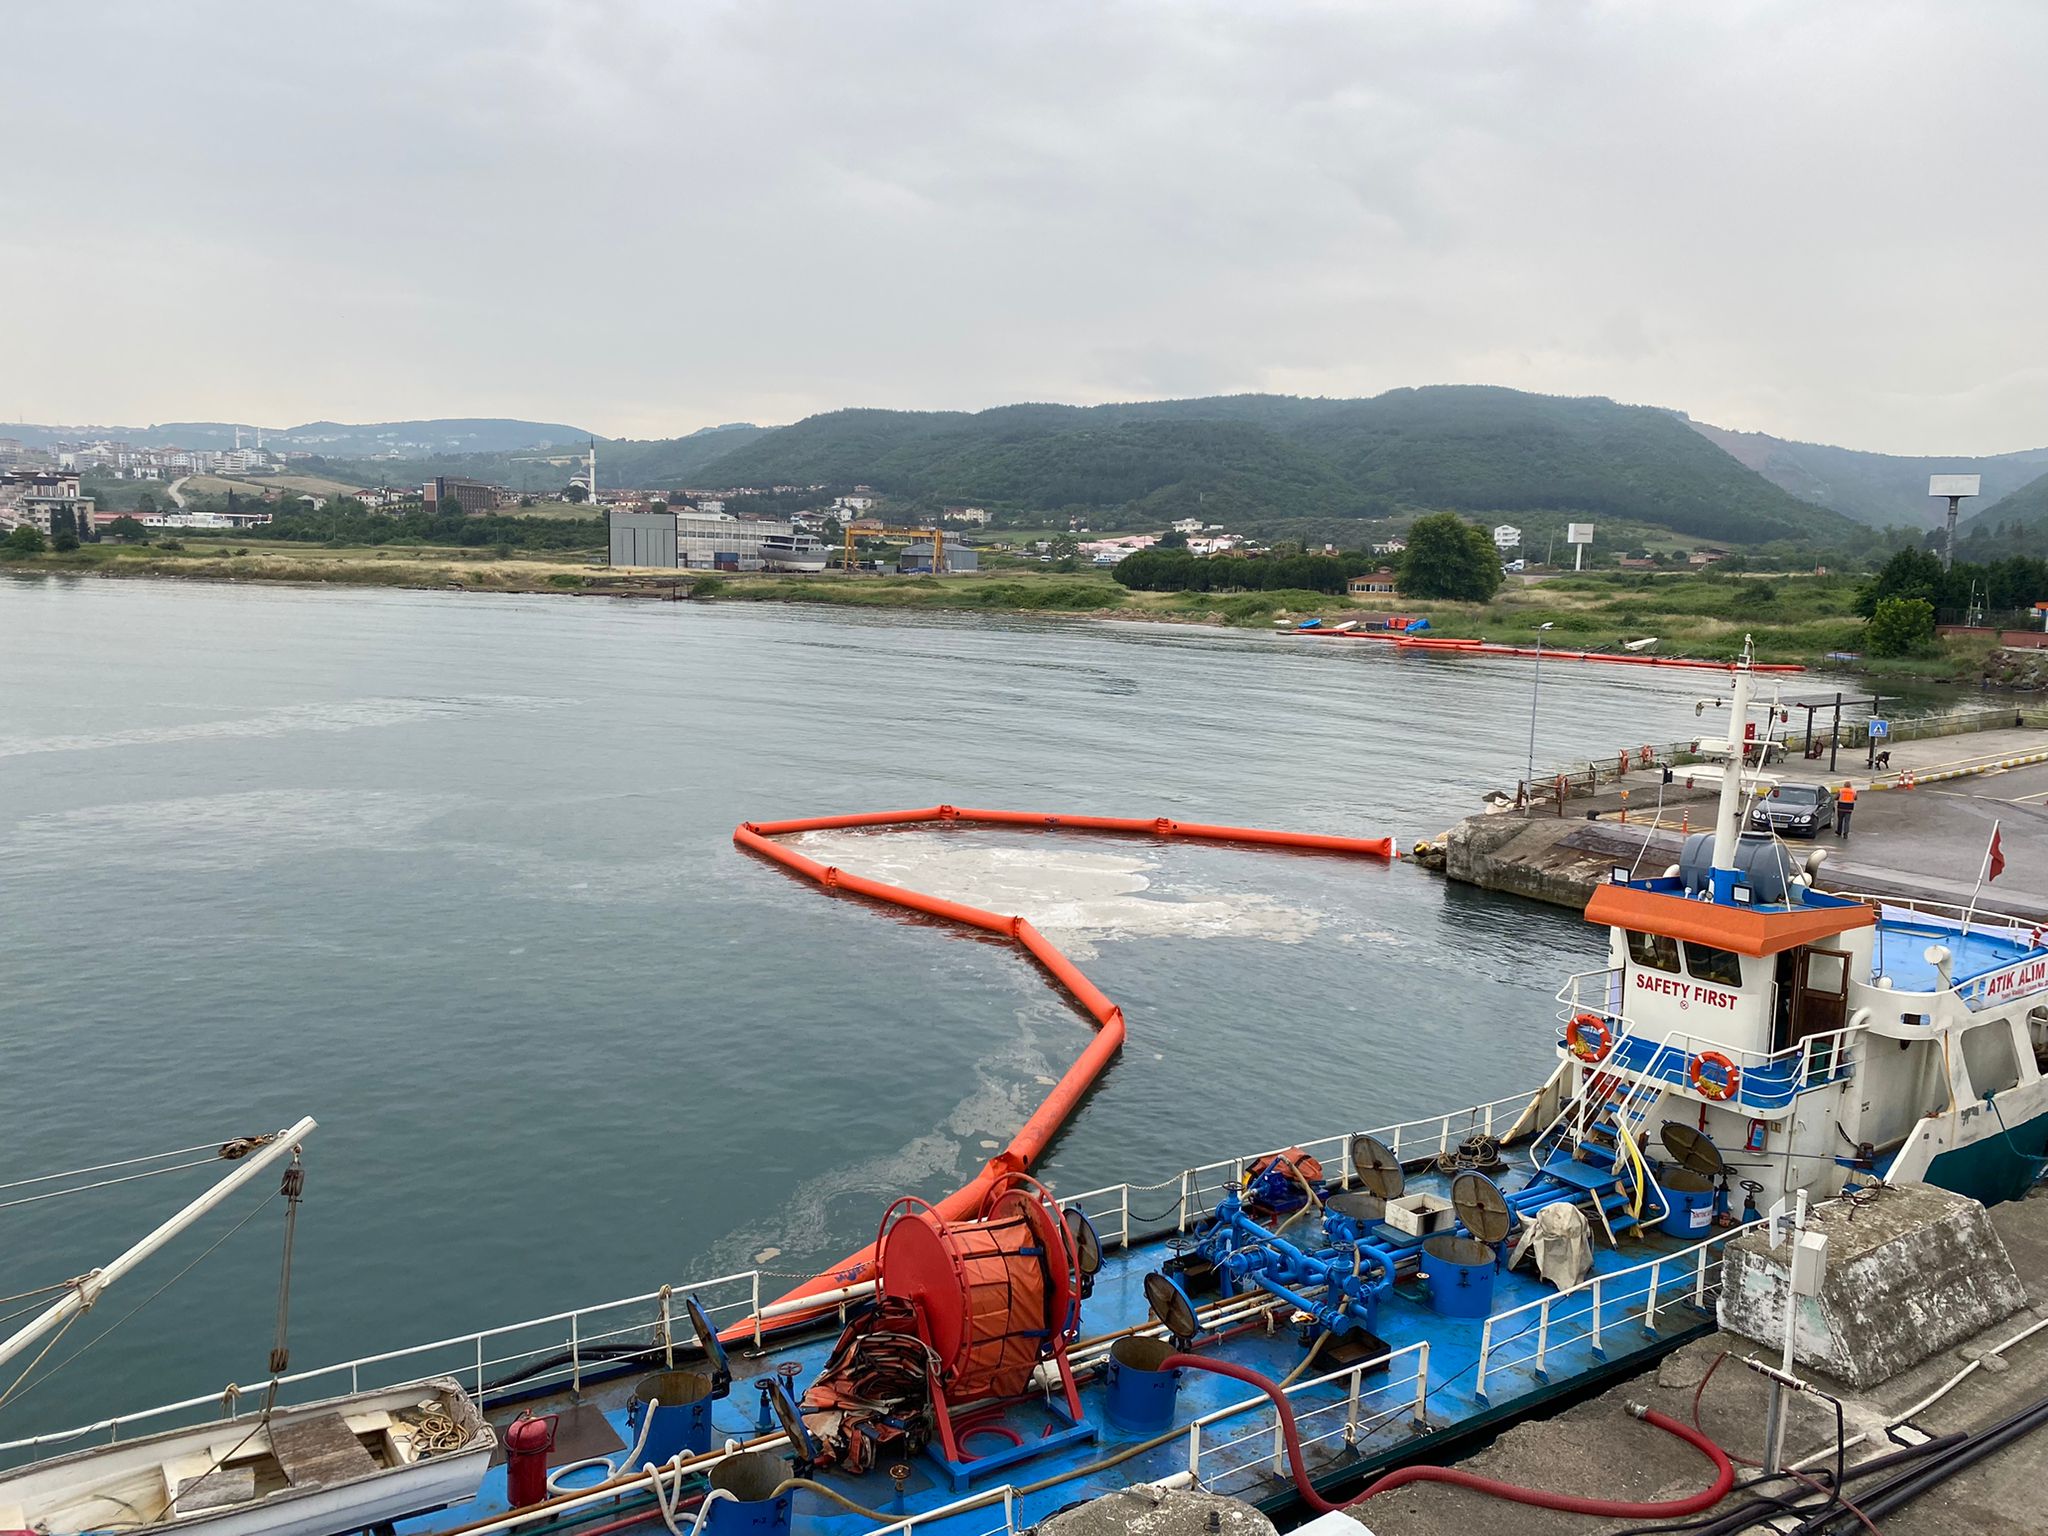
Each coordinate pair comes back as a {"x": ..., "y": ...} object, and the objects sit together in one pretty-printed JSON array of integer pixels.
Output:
[{"x": 719, "y": 541}]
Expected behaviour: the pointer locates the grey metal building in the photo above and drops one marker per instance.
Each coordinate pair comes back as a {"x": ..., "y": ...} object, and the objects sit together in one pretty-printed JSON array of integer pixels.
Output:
[
  {"x": 917, "y": 560},
  {"x": 643, "y": 538}
]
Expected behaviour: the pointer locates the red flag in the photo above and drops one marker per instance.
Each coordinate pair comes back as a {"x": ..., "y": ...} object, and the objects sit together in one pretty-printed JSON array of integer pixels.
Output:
[{"x": 1994, "y": 863}]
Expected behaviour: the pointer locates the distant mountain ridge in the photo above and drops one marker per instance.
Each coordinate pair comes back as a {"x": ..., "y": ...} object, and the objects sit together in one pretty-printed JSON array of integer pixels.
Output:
[
  {"x": 1881, "y": 489},
  {"x": 453, "y": 434},
  {"x": 1311, "y": 464}
]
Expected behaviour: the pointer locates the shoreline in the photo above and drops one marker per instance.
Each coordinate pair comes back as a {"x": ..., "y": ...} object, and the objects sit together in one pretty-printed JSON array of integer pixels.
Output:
[{"x": 1022, "y": 593}]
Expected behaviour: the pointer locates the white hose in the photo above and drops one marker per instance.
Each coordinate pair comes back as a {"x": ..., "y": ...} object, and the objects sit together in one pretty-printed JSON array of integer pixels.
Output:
[
  {"x": 1927, "y": 1402},
  {"x": 703, "y": 1509},
  {"x": 610, "y": 1471}
]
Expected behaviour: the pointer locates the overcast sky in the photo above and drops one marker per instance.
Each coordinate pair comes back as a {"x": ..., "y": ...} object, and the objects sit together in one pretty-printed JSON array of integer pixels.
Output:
[{"x": 1826, "y": 221}]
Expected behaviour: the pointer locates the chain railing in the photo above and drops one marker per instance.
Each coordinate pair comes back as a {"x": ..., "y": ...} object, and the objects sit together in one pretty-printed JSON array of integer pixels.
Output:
[{"x": 1586, "y": 777}]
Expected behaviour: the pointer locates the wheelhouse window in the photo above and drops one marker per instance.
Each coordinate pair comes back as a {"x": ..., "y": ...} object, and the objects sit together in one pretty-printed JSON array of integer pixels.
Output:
[
  {"x": 1710, "y": 964},
  {"x": 1989, "y": 1057},
  {"x": 1654, "y": 951}
]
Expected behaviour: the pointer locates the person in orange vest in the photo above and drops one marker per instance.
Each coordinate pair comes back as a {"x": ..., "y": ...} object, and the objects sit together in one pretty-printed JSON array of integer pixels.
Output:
[{"x": 1845, "y": 807}]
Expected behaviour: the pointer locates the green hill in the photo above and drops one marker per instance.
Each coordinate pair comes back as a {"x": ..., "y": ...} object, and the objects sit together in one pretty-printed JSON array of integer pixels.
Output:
[
  {"x": 1882, "y": 489},
  {"x": 1264, "y": 458},
  {"x": 2015, "y": 524},
  {"x": 670, "y": 462}
]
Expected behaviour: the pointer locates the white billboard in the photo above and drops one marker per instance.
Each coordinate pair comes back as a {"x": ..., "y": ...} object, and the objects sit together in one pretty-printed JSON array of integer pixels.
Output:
[
  {"x": 1954, "y": 485},
  {"x": 1578, "y": 533}
]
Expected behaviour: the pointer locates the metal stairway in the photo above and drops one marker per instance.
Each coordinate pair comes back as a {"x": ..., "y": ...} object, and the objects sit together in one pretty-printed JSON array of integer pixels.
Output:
[{"x": 1581, "y": 1159}]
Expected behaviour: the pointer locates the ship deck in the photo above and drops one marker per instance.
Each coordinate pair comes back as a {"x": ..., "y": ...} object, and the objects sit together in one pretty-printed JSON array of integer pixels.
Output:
[
  {"x": 1443, "y": 1380},
  {"x": 1438, "y": 1382}
]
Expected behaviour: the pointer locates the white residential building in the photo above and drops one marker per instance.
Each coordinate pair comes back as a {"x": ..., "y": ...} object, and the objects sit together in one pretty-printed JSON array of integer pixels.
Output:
[
  {"x": 32, "y": 496},
  {"x": 853, "y": 503},
  {"x": 978, "y": 516},
  {"x": 1507, "y": 536},
  {"x": 1393, "y": 546},
  {"x": 1188, "y": 525}
]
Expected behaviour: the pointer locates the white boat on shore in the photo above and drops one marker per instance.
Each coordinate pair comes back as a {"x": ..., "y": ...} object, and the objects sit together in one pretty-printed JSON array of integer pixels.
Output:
[{"x": 342, "y": 1464}]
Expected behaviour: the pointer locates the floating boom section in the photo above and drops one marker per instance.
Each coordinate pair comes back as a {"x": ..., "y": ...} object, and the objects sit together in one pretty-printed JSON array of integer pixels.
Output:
[{"x": 1059, "y": 1104}]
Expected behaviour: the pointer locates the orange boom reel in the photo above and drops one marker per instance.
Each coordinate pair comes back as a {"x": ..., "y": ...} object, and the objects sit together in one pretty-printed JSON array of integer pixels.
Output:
[{"x": 965, "y": 1315}]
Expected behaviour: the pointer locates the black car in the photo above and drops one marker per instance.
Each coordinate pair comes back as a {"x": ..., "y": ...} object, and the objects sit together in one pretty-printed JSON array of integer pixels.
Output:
[{"x": 1795, "y": 810}]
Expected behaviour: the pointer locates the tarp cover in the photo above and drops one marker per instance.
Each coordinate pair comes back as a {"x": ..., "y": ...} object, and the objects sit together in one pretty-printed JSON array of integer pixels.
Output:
[{"x": 1557, "y": 1235}]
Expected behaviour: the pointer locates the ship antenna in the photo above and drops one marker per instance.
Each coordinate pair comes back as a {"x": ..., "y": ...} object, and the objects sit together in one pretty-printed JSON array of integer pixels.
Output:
[{"x": 1727, "y": 812}]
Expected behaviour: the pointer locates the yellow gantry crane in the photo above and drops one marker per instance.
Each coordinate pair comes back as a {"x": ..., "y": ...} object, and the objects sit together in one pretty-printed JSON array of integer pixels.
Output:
[{"x": 936, "y": 535}]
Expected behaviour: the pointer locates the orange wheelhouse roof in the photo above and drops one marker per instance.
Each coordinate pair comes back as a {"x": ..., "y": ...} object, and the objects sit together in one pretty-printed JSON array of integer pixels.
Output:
[{"x": 1746, "y": 930}]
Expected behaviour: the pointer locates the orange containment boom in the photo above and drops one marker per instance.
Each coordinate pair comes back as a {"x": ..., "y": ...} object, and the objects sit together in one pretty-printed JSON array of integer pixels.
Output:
[{"x": 1065, "y": 1096}]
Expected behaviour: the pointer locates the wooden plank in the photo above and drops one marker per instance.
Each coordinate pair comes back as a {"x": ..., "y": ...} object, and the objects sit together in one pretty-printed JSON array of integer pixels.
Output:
[
  {"x": 319, "y": 1452},
  {"x": 222, "y": 1488}
]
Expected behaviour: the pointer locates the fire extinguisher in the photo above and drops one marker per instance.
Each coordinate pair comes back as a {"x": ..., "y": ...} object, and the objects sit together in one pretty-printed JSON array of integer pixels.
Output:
[{"x": 527, "y": 1443}]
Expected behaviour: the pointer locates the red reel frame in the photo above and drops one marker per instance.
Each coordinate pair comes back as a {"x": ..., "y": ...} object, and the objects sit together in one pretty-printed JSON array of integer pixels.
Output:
[{"x": 940, "y": 1276}]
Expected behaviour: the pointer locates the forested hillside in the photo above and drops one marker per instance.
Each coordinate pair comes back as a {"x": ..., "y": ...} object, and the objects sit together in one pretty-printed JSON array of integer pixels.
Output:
[
  {"x": 1469, "y": 449},
  {"x": 1882, "y": 489},
  {"x": 2014, "y": 525}
]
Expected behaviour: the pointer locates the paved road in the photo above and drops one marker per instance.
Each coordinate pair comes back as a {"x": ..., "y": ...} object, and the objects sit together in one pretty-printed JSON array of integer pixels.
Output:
[
  {"x": 1939, "y": 834},
  {"x": 176, "y": 493}
]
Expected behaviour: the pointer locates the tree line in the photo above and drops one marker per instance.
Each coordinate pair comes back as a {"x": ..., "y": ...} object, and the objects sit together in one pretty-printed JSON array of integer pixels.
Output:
[
  {"x": 345, "y": 520},
  {"x": 2010, "y": 585},
  {"x": 1446, "y": 557}
]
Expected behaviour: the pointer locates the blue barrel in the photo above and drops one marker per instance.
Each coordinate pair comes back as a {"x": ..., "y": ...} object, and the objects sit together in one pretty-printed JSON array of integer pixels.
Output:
[
  {"x": 682, "y": 1415},
  {"x": 1141, "y": 1395},
  {"x": 755, "y": 1509},
  {"x": 1692, "y": 1203},
  {"x": 1459, "y": 1271}
]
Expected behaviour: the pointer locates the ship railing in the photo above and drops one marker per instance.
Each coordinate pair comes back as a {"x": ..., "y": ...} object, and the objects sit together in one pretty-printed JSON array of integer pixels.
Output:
[
  {"x": 493, "y": 1364},
  {"x": 1526, "y": 1337},
  {"x": 1335, "y": 1409},
  {"x": 1767, "y": 1082},
  {"x": 1979, "y": 918},
  {"x": 1123, "y": 1214},
  {"x": 562, "y": 1349},
  {"x": 1359, "y": 1413}
]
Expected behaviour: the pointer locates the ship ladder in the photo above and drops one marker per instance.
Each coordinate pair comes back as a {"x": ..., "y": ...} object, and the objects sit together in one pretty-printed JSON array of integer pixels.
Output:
[{"x": 1600, "y": 1157}]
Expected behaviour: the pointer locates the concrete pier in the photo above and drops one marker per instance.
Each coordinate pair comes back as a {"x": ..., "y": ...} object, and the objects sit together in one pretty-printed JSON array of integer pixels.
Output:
[{"x": 1923, "y": 843}]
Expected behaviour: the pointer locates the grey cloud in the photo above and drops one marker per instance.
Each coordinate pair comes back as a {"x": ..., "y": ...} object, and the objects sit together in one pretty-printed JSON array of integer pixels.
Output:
[{"x": 1813, "y": 219}]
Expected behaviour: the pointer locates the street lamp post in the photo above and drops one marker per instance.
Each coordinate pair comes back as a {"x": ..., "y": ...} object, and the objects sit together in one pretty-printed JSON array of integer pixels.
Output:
[{"x": 1535, "y": 690}]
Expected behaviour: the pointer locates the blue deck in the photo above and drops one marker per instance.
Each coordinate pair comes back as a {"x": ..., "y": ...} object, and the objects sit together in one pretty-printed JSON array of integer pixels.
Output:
[
  {"x": 1237, "y": 1455},
  {"x": 1900, "y": 952}
]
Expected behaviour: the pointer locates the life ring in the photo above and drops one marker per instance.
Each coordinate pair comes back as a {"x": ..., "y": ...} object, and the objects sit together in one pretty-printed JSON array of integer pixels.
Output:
[
  {"x": 1707, "y": 1087},
  {"x": 1577, "y": 1041}
]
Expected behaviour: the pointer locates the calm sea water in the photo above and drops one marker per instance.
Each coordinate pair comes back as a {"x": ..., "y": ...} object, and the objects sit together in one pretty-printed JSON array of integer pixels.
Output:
[{"x": 454, "y": 875}]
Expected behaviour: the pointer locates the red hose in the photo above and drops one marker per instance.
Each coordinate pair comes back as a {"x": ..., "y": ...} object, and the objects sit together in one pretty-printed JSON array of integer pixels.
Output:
[{"x": 1609, "y": 1509}]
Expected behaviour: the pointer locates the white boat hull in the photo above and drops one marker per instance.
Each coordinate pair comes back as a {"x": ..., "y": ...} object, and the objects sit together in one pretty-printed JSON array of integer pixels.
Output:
[{"x": 337, "y": 1484}]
